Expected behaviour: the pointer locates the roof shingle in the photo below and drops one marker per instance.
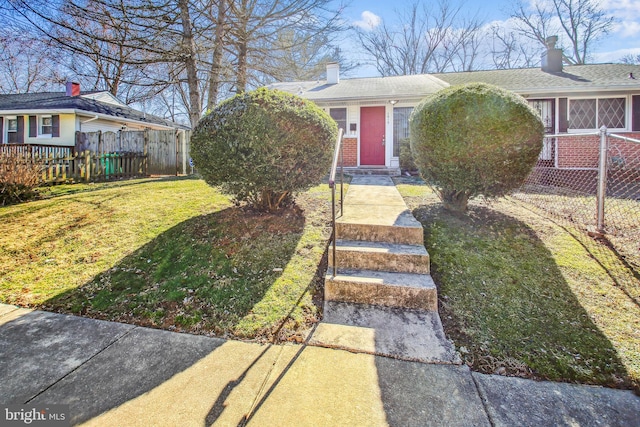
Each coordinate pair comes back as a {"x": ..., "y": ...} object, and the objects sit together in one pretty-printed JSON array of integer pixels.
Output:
[
  {"x": 59, "y": 100},
  {"x": 576, "y": 78}
]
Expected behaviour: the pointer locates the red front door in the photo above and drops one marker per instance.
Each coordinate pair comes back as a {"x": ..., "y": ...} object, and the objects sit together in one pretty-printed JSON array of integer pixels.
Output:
[{"x": 372, "y": 139}]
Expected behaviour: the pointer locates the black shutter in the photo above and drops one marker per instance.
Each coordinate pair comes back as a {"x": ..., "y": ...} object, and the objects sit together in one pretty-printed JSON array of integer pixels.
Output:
[
  {"x": 33, "y": 126},
  {"x": 563, "y": 123},
  {"x": 55, "y": 125},
  {"x": 1, "y": 130},
  {"x": 20, "y": 130},
  {"x": 635, "y": 113}
]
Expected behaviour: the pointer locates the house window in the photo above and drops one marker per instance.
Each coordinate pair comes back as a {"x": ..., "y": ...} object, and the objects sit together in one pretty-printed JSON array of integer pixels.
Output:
[
  {"x": 400, "y": 127},
  {"x": 12, "y": 131},
  {"x": 595, "y": 113},
  {"x": 340, "y": 116},
  {"x": 46, "y": 125},
  {"x": 611, "y": 113}
]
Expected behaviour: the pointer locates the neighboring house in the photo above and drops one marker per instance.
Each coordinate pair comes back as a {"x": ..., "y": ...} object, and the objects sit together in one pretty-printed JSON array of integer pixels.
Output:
[
  {"x": 54, "y": 118},
  {"x": 374, "y": 111}
]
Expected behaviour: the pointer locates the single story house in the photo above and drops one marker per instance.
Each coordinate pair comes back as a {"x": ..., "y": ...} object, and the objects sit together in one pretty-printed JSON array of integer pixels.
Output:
[
  {"x": 374, "y": 111},
  {"x": 54, "y": 118}
]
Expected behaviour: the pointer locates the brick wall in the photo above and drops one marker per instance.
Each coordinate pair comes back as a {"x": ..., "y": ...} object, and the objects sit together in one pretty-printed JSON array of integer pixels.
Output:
[
  {"x": 582, "y": 151},
  {"x": 578, "y": 151},
  {"x": 350, "y": 147}
]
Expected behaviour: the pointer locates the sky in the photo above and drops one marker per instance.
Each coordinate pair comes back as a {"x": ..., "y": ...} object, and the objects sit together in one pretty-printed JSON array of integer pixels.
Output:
[{"x": 623, "y": 40}]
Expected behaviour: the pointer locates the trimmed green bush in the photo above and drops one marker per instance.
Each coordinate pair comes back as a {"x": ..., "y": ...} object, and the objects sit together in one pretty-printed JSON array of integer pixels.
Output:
[
  {"x": 262, "y": 146},
  {"x": 474, "y": 139}
]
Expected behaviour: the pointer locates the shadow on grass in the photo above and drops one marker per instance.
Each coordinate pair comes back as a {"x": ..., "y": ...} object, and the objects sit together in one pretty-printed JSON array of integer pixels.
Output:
[
  {"x": 204, "y": 275},
  {"x": 616, "y": 253},
  {"x": 505, "y": 302},
  {"x": 50, "y": 191}
]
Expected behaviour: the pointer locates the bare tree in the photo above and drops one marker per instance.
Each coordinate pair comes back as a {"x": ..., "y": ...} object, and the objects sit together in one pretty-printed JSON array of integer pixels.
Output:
[
  {"x": 508, "y": 50},
  {"x": 217, "y": 70},
  {"x": 189, "y": 58},
  {"x": 22, "y": 68},
  {"x": 425, "y": 39},
  {"x": 630, "y": 59},
  {"x": 193, "y": 48},
  {"x": 256, "y": 28},
  {"x": 461, "y": 49},
  {"x": 293, "y": 60},
  {"x": 26, "y": 64},
  {"x": 579, "y": 23}
]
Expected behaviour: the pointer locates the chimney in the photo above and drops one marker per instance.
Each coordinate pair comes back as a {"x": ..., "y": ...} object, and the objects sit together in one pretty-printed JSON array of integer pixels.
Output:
[
  {"x": 333, "y": 73},
  {"x": 552, "y": 57},
  {"x": 73, "y": 89}
]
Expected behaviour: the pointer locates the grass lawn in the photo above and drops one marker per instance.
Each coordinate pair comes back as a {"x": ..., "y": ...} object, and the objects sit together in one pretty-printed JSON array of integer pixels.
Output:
[
  {"x": 169, "y": 253},
  {"x": 521, "y": 295},
  {"x": 622, "y": 216}
]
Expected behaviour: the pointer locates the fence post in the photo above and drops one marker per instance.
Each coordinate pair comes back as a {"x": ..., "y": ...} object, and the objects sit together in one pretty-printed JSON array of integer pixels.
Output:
[
  {"x": 87, "y": 165},
  {"x": 145, "y": 152},
  {"x": 176, "y": 142},
  {"x": 602, "y": 179}
]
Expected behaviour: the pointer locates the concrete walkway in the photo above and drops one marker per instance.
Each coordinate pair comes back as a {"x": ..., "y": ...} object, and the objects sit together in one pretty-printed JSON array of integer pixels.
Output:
[
  {"x": 382, "y": 301},
  {"x": 113, "y": 374}
]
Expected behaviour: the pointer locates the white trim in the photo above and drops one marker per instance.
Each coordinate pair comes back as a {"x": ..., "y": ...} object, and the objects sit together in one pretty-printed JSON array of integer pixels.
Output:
[
  {"x": 39, "y": 133},
  {"x": 556, "y": 126},
  {"x": 38, "y": 112},
  {"x": 627, "y": 113},
  {"x": 5, "y": 128}
]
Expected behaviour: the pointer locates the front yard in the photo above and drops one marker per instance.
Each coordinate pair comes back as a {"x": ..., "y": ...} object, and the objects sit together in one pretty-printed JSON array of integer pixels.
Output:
[
  {"x": 518, "y": 294},
  {"x": 170, "y": 253},
  {"x": 521, "y": 295}
]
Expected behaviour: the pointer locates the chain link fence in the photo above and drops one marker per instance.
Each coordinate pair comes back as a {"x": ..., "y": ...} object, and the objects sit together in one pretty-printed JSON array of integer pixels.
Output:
[{"x": 592, "y": 181}]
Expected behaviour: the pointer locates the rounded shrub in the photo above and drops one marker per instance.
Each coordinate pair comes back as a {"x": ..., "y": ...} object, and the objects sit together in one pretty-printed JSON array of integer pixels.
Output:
[
  {"x": 262, "y": 146},
  {"x": 474, "y": 139}
]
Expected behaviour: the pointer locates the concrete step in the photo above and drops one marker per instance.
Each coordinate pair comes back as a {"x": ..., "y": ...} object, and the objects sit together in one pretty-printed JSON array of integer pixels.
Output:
[
  {"x": 416, "y": 291},
  {"x": 404, "y": 228},
  {"x": 380, "y": 256},
  {"x": 399, "y": 333},
  {"x": 372, "y": 170}
]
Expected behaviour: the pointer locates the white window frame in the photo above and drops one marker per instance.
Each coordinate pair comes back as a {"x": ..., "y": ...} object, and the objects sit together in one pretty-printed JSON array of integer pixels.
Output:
[
  {"x": 627, "y": 109},
  {"x": 40, "y": 133},
  {"x": 346, "y": 117},
  {"x": 394, "y": 131},
  {"x": 7, "y": 131}
]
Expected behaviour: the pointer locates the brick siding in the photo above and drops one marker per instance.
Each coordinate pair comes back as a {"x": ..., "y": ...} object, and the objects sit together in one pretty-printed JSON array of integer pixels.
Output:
[
  {"x": 582, "y": 151},
  {"x": 350, "y": 147}
]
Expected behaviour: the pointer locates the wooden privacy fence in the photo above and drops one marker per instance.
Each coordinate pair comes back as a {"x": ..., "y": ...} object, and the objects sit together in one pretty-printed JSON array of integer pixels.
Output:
[{"x": 167, "y": 151}]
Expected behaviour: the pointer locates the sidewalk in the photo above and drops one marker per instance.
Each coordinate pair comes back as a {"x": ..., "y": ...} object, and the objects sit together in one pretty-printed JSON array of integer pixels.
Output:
[{"x": 116, "y": 374}]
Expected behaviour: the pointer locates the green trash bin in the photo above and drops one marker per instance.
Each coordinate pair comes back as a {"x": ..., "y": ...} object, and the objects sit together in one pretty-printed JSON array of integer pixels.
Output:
[{"x": 108, "y": 162}]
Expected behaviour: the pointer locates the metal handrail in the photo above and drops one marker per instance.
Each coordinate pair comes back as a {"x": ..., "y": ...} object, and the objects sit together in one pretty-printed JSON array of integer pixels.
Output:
[
  {"x": 337, "y": 157},
  {"x": 624, "y": 138}
]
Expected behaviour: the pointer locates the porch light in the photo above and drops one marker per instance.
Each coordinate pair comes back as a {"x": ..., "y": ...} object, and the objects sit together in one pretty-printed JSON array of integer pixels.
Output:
[{"x": 393, "y": 101}]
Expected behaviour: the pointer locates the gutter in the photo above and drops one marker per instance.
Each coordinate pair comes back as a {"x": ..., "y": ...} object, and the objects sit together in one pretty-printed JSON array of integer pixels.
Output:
[{"x": 87, "y": 121}]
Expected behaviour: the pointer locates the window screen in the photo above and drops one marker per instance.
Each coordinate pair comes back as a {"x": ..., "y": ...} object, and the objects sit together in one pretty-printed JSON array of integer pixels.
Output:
[
  {"x": 400, "y": 127},
  {"x": 340, "y": 116},
  {"x": 594, "y": 113}
]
